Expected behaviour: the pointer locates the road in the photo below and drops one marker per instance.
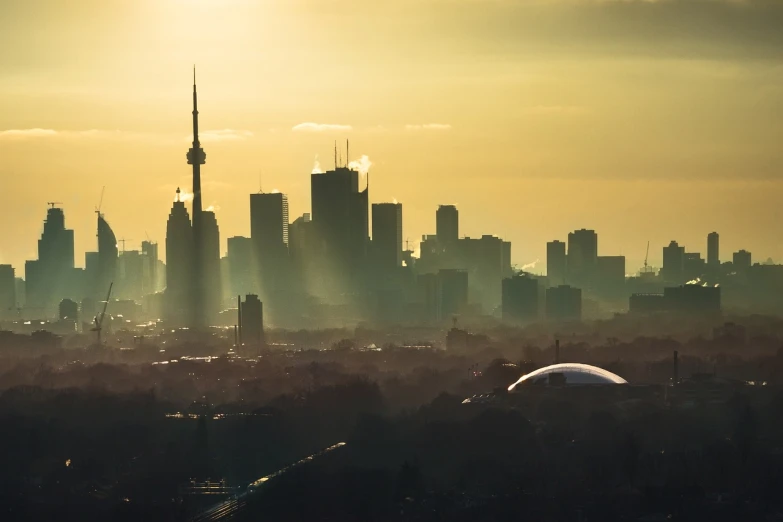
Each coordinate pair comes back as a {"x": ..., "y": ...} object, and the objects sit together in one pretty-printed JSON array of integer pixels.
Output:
[{"x": 227, "y": 509}]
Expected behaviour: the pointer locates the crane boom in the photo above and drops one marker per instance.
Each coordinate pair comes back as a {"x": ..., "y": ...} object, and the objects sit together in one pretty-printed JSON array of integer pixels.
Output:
[{"x": 99, "y": 318}]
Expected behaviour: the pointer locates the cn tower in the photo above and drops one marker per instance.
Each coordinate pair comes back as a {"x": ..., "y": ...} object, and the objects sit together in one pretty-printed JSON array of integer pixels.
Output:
[{"x": 197, "y": 157}]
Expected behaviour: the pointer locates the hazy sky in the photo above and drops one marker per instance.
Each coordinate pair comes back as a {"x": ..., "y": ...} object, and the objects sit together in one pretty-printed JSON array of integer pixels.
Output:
[{"x": 643, "y": 120}]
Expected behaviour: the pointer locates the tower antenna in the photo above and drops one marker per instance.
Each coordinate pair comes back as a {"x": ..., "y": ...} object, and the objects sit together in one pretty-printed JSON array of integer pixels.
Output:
[
  {"x": 347, "y": 153},
  {"x": 335, "y": 154}
]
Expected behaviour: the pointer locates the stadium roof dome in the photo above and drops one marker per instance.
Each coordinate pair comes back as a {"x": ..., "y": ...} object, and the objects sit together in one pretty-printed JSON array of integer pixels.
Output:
[{"x": 568, "y": 373}]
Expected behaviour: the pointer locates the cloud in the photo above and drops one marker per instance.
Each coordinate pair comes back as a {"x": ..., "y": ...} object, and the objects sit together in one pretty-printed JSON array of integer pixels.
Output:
[
  {"x": 224, "y": 135},
  {"x": 39, "y": 133},
  {"x": 428, "y": 126},
  {"x": 320, "y": 127},
  {"x": 27, "y": 133}
]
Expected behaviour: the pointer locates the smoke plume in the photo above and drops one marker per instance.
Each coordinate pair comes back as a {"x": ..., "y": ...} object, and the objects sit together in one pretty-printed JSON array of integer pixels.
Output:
[
  {"x": 530, "y": 266},
  {"x": 317, "y": 166},
  {"x": 363, "y": 164}
]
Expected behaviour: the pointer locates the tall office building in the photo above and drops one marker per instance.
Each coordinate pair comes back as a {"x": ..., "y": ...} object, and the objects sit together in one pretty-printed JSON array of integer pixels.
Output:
[
  {"x": 610, "y": 275},
  {"x": 149, "y": 250},
  {"x": 269, "y": 223},
  {"x": 713, "y": 249},
  {"x": 129, "y": 284},
  {"x": 107, "y": 258},
  {"x": 50, "y": 278},
  {"x": 269, "y": 233},
  {"x": 341, "y": 229},
  {"x": 506, "y": 261},
  {"x": 387, "y": 236},
  {"x": 242, "y": 276},
  {"x": 487, "y": 261},
  {"x": 582, "y": 256},
  {"x": 210, "y": 265},
  {"x": 180, "y": 256},
  {"x": 741, "y": 260},
  {"x": 556, "y": 262},
  {"x": 563, "y": 303},
  {"x": 673, "y": 269},
  {"x": 7, "y": 291},
  {"x": 252, "y": 329},
  {"x": 520, "y": 299},
  {"x": 452, "y": 292},
  {"x": 447, "y": 224},
  {"x": 693, "y": 266},
  {"x": 300, "y": 238}
]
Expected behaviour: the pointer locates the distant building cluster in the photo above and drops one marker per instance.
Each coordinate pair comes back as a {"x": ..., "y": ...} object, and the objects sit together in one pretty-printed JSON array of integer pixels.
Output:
[{"x": 346, "y": 262}]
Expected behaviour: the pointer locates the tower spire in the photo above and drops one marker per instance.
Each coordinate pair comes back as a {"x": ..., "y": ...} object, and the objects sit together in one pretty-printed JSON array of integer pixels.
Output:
[{"x": 196, "y": 157}]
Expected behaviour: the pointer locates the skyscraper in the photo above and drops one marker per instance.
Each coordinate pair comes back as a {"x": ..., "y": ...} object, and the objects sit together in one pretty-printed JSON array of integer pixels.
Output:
[
  {"x": 269, "y": 232},
  {"x": 212, "y": 287},
  {"x": 520, "y": 298},
  {"x": 341, "y": 228},
  {"x": 240, "y": 262},
  {"x": 150, "y": 251},
  {"x": 252, "y": 317},
  {"x": 179, "y": 264},
  {"x": 563, "y": 303},
  {"x": 50, "y": 278},
  {"x": 713, "y": 252},
  {"x": 269, "y": 221},
  {"x": 130, "y": 281},
  {"x": 610, "y": 275},
  {"x": 447, "y": 224},
  {"x": 741, "y": 260},
  {"x": 452, "y": 292},
  {"x": 582, "y": 256},
  {"x": 7, "y": 291},
  {"x": 556, "y": 262},
  {"x": 673, "y": 268},
  {"x": 484, "y": 260},
  {"x": 387, "y": 236},
  {"x": 107, "y": 258},
  {"x": 693, "y": 266}
]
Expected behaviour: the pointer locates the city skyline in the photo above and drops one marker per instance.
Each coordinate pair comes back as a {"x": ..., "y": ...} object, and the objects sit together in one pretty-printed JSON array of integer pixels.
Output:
[{"x": 692, "y": 164}]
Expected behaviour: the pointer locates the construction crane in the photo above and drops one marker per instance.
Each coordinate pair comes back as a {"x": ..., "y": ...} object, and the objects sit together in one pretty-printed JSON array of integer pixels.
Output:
[
  {"x": 53, "y": 203},
  {"x": 647, "y": 269},
  {"x": 100, "y": 201},
  {"x": 99, "y": 318}
]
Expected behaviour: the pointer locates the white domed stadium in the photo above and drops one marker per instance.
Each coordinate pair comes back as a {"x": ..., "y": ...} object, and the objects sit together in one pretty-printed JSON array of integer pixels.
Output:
[{"x": 568, "y": 374}]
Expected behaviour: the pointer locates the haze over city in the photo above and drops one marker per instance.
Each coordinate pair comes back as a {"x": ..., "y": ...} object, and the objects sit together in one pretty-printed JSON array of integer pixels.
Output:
[
  {"x": 391, "y": 260},
  {"x": 636, "y": 119}
]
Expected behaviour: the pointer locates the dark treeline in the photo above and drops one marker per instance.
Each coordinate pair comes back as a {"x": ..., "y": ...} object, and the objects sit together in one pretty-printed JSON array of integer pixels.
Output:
[{"x": 105, "y": 434}]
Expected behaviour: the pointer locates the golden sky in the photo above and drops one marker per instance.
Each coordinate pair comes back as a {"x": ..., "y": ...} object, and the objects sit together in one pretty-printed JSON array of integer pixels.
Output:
[{"x": 645, "y": 120}]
